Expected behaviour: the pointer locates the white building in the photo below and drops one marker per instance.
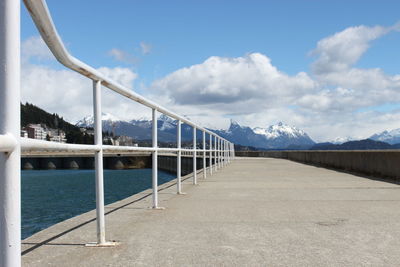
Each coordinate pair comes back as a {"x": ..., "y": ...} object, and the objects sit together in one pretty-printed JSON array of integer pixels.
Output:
[
  {"x": 36, "y": 131},
  {"x": 56, "y": 135}
]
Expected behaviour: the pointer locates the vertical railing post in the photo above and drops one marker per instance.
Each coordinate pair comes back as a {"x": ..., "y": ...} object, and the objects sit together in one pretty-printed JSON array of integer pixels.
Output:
[
  {"x": 179, "y": 158},
  {"x": 155, "y": 159},
  {"x": 220, "y": 153},
  {"x": 216, "y": 153},
  {"x": 10, "y": 169},
  {"x": 226, "y": 153},
  {"x": 98, "y": 140},
  {"x": 211, "y": 155},
  {"x": 223, "y": 153},
  {"x": 204, "y": 156},
  {"x": 229, "y": 152},
  {"x": 194, "y": 156}
]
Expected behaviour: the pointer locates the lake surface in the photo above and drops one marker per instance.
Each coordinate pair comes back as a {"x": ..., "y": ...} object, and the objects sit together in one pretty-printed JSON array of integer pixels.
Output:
[{"x": 52, "y": 196}]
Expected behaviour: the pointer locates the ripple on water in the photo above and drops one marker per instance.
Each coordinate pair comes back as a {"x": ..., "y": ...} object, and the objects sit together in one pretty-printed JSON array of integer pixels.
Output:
[{"x": 52, "y": 196}]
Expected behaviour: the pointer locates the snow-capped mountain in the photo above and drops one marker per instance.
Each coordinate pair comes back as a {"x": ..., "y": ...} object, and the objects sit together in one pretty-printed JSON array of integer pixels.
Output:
[
  {"x": 341, "y": 140},
  {"x": 167, "y": 123},
  {"x": 391, "y": 137},
  {"x": 278, "y": 130},
  {"x": 88, "y": 121},
  {"x": 274, "y": 136},
  {"x": 140, "y": 129}
]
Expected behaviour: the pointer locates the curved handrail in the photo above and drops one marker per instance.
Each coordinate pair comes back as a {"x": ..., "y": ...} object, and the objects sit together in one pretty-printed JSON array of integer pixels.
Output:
[{"x": 43, "y": 21}]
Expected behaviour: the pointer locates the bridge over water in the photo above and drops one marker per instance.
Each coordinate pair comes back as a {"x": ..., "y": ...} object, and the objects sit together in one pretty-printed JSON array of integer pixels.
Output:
[{"x": 256, "y": 212}]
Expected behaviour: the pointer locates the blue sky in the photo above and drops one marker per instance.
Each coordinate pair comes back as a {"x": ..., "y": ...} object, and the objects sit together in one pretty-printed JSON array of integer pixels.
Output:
[
  {"x": 183, "y": 33},
  {"x": 180, "y": 34}
]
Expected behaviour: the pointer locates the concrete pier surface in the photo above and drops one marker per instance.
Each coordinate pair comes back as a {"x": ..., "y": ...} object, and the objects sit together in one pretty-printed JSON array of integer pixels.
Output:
[{"x": 254, "y": 212}]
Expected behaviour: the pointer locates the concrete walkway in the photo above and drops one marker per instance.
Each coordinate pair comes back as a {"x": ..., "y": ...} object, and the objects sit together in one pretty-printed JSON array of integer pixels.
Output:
[{"x": 254, "y": 212}]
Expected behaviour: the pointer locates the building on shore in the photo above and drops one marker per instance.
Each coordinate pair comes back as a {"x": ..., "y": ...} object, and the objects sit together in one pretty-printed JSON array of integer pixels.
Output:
[
  {"x": 42, "y": 132},
  {"x": 36, "y": 131}
]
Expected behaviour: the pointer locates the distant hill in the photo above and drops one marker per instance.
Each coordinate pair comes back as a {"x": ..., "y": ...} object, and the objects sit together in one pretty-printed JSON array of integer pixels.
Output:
[
  {"x": 365, "y": 144},
  {"x": 35, "y": 115},
  {"x": 247, "y": 148}
]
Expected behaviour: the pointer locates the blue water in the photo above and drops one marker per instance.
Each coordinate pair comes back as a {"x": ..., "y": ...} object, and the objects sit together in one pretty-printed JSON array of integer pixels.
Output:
[{"x": 52, "y": 196}]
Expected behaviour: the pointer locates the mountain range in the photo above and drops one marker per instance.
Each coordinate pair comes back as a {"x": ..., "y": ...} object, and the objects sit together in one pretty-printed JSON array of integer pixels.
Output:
[
  {"x": 277, "y": 136},
  {"x": 140, "y": 129}
]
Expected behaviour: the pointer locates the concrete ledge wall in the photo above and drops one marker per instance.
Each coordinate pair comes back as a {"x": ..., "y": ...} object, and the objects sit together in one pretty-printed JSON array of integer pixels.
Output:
[
  {"x": 169, "y": 164},
  {"x": 377, "y": 163}
]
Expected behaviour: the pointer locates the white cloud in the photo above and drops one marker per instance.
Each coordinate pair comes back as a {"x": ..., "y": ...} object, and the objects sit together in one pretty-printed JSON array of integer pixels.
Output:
[
  {"x": 124, "y": 76},
  {"x": 355, "y": 87},
  {"x": 68, "y": 93},
  {"x": 233, "y": 80},
  {"x": 326, "y": 102},
  {"x": 122, "y": 56},
  {"x": 146, "y": 48},
  {"x": 338, "y": 52},
  {"x": 129, "y": 58},
  {"x": 35, "y": 47}
]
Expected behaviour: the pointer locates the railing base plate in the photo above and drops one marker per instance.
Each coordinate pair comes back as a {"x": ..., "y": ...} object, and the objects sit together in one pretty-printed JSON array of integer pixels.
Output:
[
  {"x": 157, "y": 208},
  {"x": 97, "y": 245}
]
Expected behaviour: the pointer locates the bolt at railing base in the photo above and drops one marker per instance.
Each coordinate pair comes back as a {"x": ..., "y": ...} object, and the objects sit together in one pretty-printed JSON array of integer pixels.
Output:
[
  {"x": 181, "y": 193},
  {"x": 101, "y": 245},
  {"x": 157, "y": 208}
]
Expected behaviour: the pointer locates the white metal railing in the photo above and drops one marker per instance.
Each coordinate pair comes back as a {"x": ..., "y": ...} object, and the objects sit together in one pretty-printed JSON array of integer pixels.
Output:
[{"x": 220, "y": 151}]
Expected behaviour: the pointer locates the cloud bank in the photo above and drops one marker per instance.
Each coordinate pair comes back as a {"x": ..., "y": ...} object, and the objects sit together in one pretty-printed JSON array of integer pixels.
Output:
[
  {"x": 332, "y": 100},
  {"x": 59, "y": 90},
  {"x": 335, "y": 98}
]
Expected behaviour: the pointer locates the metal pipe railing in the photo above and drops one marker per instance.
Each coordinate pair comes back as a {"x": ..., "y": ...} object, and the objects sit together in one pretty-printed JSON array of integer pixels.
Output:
[
  {"x": 194, "y": 156},
  {"x": 10, "y": 175},
  {"x": 11, "y": 144},
  {"x": 98, "y": 156},
  {"x": 204, "y": 156},
  {"x": 179, "y": 158},
  {"x": 211, "y": 155},
  {"x": 155, "y": 160}
]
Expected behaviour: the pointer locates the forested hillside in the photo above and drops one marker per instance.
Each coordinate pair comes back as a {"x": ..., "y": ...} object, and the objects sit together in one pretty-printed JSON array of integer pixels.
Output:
[{"x": 33, "y": 114}]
